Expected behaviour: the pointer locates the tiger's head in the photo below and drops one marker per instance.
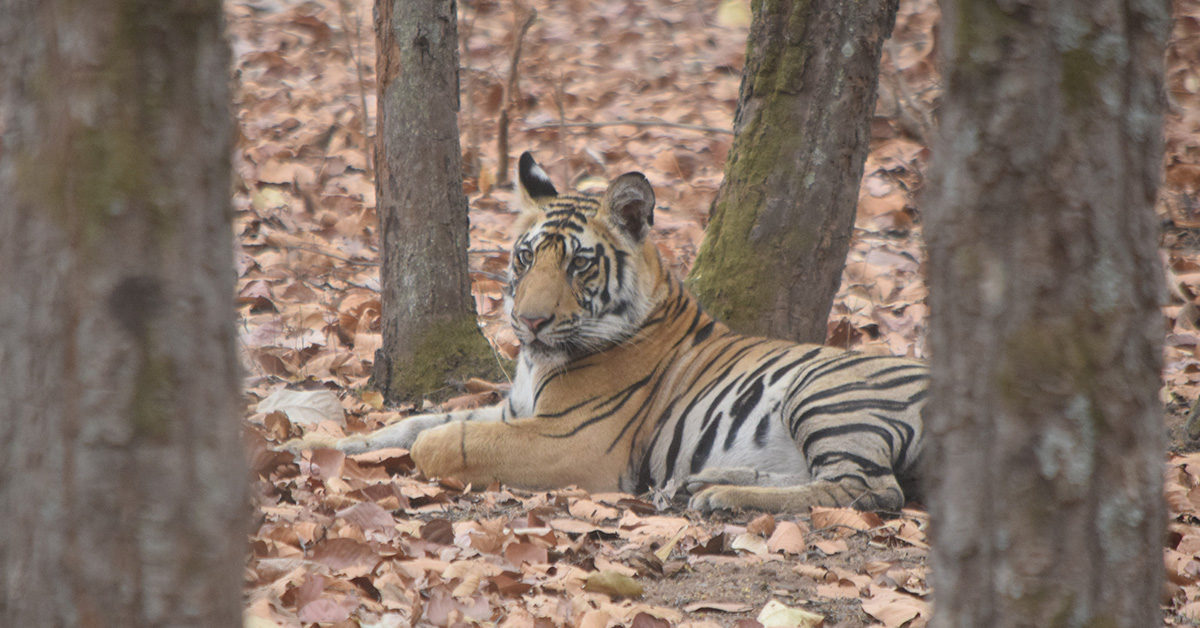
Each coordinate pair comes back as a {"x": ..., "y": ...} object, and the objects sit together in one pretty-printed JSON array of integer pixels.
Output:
[{"x": 584, "y": 274}]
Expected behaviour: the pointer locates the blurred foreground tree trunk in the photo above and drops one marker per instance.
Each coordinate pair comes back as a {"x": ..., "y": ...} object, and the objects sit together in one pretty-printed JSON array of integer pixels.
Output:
[
  {"x": 775, "y": 247},
  {"x": 430, "y": 332},
  {"x": 1046, "y": 433},
  {"x": 121, "y": 476}
]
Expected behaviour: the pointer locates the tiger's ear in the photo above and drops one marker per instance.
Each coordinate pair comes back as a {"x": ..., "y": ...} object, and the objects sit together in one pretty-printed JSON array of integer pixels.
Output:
[
  {"x": 630, "y": 202},
  {"x": 534, "y": 183}
]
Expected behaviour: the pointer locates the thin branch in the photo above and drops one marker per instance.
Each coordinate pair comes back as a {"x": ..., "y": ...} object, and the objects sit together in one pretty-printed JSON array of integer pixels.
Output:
[
  {"x": 362, "y": 89},
  {"x": 637, "y": 123},
  {"x": 472, "y": 80},
  {"x": 302, "y": 247},
  {"x": 508, "y": 98},
  {"x": 559, "y": 97}
]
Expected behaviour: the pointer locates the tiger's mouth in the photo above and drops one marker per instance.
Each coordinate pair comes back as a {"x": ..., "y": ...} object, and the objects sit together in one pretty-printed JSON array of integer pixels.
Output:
[{"x": 553, "y": 345}]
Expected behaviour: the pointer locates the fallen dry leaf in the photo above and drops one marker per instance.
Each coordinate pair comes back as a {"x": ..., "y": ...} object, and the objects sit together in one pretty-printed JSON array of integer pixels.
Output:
[
  {"x": 778, "y": 615},
  {"x": 896, "y": 609},
  {"x": 304, "y": 406},
  {"x": 613, "y": 583}
]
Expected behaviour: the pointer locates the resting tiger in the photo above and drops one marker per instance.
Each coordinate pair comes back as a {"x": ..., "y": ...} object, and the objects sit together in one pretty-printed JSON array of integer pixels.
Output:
[{"x": 624, "y": 383}]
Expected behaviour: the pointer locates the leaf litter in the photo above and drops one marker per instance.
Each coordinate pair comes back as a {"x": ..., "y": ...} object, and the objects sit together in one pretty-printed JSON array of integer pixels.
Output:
[{"x": 362, "y": 541}]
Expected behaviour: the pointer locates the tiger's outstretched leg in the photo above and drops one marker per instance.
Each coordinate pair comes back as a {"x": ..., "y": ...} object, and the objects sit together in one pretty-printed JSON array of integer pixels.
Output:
[
  {"x": 861, "y": 492},
  {"x": 527, "y": 453},
  {"x": 400, "y": 434}
]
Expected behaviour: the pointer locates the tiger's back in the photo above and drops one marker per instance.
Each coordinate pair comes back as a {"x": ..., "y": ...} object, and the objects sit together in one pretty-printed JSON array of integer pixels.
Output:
[{"x": 623, "y": 382}]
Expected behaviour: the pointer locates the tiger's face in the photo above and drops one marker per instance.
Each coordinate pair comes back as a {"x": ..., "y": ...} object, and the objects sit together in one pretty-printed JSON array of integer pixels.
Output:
[{"x": 578, "y": 272}]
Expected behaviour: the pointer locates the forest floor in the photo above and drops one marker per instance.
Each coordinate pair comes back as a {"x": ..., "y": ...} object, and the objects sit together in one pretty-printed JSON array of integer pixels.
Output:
[{"x": 602, "y": 88}]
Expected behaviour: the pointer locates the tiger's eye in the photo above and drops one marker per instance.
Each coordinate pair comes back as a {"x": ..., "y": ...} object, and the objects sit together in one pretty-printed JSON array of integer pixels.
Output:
[
  {"x": 524, "y": 257},
  {"x": 580, "y": 264}
]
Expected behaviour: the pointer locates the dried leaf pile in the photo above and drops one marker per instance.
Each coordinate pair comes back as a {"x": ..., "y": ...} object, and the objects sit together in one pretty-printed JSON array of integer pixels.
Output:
[{"x": 601, "y": 88}]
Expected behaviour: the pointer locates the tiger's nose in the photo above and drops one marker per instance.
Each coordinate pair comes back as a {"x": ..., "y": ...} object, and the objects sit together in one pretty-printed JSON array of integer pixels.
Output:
[{"x": 536, "y": 323}]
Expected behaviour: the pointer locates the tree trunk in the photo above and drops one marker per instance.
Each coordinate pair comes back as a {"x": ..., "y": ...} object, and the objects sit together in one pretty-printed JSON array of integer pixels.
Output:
[
  {"x": 1046, "y": 434},
  {"x": 430, "y": 334},
  {"x": 121, "y": 476},
  {"x": 773, "y": 253}
]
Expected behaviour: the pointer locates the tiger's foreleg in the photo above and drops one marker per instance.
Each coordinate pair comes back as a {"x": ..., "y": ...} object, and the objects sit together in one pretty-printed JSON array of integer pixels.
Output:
[
  {"x": 863, "y": 493},
  {"x": 527, "y": 453},
  {"x": 400, "y": 434}
]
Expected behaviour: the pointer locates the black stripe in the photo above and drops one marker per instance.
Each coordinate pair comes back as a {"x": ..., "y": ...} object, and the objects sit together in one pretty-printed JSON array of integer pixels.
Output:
[
  {"x": 563, "y": 224},
  {"x": 742, "y": 407},
  {"x": 765, "y": 366},
  {"x": 859, "y": 385},
  {"x": 645, "y": 477},
  {"x": 624, "y": 395},
  {"x": 620, "y": 256},
  {"x": 605, "y": 265},
  {"x": 793, "y": 364},
  {"x": 719, "y": 379},
  {"x": 900, "y": 367},
  {"x": 704, "y": 447},
  {"x": 869, "y": 468},
  {"x": 661, "y": 368},
  {"x": 703, "y": 333},
  {"x": 677, "y": 436},
  {"x": 716, "y": 402},
  {"x": 845, "y": 407},
  {"x": 906, "y": 432},
  {"x": 846, "y": 429},
  {"x": 570, "y": 368},
  {"x": 691, "y": 327},
  {"x": 673, "y": 448},
  {"x": 764, "y": 424},
  {"x": 835, "y": 364}
]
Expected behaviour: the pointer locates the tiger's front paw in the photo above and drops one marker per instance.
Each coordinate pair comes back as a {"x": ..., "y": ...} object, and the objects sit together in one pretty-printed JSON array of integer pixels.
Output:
[
  {"x": 308, "y": 443},
  {"x": 438, "y": 452},
  {"x": 349, "y": 445},
  {"x": 716, "y": 498}
]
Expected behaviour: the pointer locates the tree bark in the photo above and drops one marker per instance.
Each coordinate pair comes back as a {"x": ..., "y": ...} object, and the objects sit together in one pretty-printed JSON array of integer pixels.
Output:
[
  {"x": 1046, "y": 433},
  {"x": 430, "y": 333},
  {"x": 774, "y": 250},
  {"x": 121, "y": 476}
]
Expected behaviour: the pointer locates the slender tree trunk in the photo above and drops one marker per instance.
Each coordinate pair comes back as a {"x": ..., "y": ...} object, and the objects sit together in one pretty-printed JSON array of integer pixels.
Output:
[
  {"x": 430, "y": 333},
  {"x": 773, "y": 253},
  {"x": 1046, "y": 433},
  {"x": 121, "y": 476}
]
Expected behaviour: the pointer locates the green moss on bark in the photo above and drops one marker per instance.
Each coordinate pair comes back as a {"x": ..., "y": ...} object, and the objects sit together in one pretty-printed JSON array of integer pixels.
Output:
[
  {"x": 1063, "y": 354},
  {"x": 449, "y": 351},
  {"x": 728, "y": 277},
  {"x": 1080, "y": 73},
  {"x": 982, "y": 28}
]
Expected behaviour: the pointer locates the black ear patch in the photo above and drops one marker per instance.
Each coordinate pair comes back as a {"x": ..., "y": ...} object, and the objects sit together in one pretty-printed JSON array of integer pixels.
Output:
[
  {"x": 630, "y": 201},
  {"x": 533, "y": 179}
]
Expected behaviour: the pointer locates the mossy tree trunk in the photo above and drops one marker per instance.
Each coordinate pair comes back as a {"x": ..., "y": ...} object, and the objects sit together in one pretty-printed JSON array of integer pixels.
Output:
[
  {"x": 1046, "y": 434},
  {"x": 774, "y": 250},
  {"x": 122, "y": 486},
  {"x": 430, "y": 334}
]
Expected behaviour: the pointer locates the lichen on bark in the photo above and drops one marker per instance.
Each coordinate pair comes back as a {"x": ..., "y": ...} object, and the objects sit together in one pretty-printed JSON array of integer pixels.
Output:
[
  {"x": 448, "y": 353},
  {"x": 773, "y": 252}
]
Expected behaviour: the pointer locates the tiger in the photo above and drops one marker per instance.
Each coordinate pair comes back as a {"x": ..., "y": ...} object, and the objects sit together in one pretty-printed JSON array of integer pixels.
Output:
[{"x": 624, "y": 383}]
